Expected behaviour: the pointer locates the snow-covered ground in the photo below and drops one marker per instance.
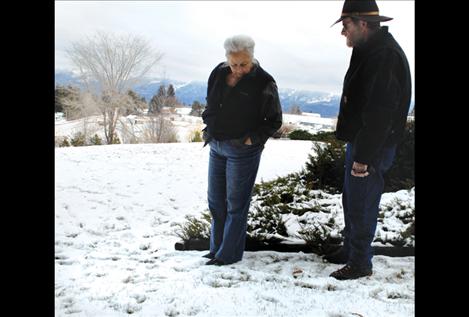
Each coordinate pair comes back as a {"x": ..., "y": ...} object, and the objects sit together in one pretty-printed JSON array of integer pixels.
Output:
[
  {"x": 311, "y": 122},
  {"x": 117, "y": 208}
]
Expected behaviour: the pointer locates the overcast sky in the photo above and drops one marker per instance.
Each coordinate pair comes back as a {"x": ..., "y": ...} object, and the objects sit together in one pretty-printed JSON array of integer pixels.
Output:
[{"x": 294, "y": 40}]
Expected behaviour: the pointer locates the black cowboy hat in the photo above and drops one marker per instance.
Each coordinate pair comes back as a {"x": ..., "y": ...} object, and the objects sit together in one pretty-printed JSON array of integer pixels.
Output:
[{"x": 362, "y": 9}]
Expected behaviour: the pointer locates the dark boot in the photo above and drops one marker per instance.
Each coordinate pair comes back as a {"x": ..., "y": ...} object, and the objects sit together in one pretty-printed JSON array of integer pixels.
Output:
[
  {"x": 350, "y": 273},
  {"x": 337, "y": 257},
  {"x": 215, "y": 262},
  {"x": 209, "y": 255}
]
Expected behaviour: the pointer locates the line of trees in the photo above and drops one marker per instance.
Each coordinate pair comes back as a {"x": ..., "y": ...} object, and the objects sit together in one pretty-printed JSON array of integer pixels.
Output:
[{"x": 68, "y": 101}]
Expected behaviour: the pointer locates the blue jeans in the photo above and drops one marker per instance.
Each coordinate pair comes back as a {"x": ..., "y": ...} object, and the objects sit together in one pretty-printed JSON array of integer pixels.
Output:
[
  {"x": 360, "y": 201},
  {"x": 231, "y": 175}
]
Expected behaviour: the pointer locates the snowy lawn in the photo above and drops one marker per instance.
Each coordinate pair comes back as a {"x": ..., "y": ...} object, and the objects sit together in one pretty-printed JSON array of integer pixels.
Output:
[{"x": 116, "y": 211}]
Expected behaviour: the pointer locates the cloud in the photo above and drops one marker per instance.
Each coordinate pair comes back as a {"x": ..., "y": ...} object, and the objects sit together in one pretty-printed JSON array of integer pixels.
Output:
[{"x": 294, "y": 40}]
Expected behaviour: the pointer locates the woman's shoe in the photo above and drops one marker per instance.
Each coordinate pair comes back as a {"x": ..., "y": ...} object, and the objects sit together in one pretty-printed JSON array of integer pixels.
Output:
[
  {"x": 209, "y": 255},
  {"x": 215, "y": 262}
]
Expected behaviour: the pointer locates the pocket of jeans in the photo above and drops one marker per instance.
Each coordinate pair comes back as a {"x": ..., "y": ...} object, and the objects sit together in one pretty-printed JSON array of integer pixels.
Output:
[{"x": 238, "y": 143}]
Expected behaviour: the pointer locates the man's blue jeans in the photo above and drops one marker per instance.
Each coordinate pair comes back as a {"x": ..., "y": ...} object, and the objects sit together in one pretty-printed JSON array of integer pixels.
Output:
[
  {"x": 360, "y": 201},
  {"x": 231, "y": 175}
]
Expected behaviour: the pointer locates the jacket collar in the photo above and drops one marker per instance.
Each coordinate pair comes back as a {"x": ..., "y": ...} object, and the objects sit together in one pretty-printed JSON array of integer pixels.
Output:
[
  {"x": 225, "y": 68},
  {"x": 374, "y": 40}
]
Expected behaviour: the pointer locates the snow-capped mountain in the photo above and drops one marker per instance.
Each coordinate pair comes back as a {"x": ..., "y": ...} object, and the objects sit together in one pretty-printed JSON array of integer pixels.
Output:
[{"x": 324, "y": 103}]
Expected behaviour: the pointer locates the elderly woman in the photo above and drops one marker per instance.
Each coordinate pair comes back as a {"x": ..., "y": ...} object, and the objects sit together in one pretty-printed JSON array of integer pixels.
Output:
[{"x": 243, "y": 111}]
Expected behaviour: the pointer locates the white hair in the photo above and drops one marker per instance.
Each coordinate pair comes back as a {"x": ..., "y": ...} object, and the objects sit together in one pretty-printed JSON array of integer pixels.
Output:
[{"x": 239, "y": 43}]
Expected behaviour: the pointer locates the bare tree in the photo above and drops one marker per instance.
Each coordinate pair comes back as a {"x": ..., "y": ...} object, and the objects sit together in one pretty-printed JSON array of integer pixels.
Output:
[
  {"x": 82, "y": 105},
  {"x": 159, "y": 130},
  {"x": 110, "y": 65},
  {"x": 128, "y": 133}
]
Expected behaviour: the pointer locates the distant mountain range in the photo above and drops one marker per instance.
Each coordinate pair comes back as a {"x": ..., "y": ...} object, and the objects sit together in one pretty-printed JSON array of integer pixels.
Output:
[
  {"x": 188, "y": 92},
  {"x": 326, "y": 104}
]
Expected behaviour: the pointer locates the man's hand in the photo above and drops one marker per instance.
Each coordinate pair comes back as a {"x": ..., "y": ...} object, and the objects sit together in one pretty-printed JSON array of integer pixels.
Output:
[{"x": 359, "y": 169}]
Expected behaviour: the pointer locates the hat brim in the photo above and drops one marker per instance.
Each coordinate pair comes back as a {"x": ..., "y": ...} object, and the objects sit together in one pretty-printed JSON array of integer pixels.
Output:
[{"x": 369, "y": 18}]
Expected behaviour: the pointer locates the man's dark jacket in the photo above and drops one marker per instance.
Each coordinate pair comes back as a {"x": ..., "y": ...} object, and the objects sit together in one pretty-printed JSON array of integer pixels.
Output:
[
  {"x": 250, "y": 109},
  {"x": 375, "y": 98}
]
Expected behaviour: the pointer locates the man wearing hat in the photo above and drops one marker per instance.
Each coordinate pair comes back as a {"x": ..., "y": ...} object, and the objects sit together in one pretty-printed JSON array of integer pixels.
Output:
[{"x": 373, "y": 113}]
